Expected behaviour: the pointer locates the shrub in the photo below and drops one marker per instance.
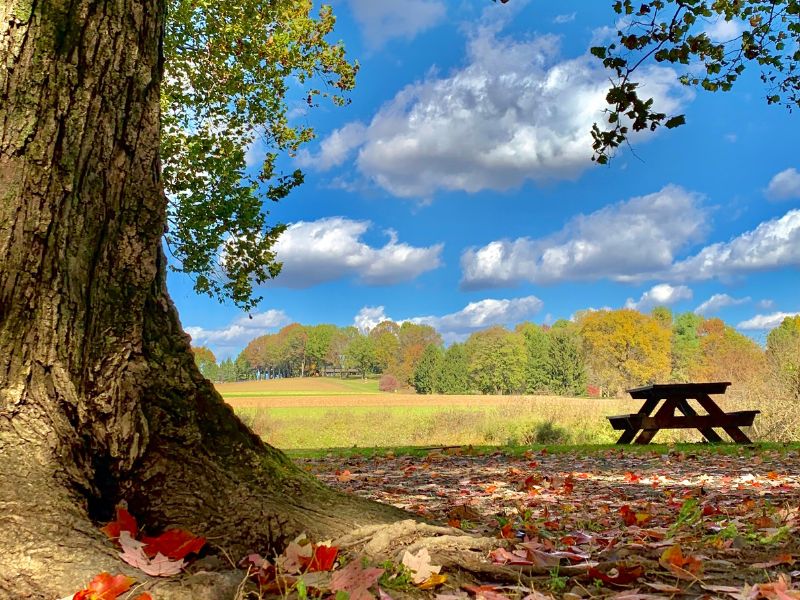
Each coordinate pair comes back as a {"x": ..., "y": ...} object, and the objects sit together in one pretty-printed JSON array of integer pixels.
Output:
[
  {"x": 546, "y": 433},
  {"x": 388, "y": 383}
]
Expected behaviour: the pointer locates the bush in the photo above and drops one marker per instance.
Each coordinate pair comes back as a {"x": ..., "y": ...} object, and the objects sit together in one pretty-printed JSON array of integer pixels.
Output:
[
  {"x": 388, "y": 383},
  {"x": 546, "y": 433}
]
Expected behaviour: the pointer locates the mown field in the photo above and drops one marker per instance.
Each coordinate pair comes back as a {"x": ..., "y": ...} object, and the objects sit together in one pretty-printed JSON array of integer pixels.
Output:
[{"x": 333, "y": 413}]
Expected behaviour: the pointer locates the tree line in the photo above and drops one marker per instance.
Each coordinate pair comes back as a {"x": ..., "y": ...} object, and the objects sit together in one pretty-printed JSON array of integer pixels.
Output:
[{"x": 597, "y": 353}]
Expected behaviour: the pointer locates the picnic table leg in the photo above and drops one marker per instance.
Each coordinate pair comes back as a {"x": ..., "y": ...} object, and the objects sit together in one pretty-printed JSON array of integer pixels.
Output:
[
  {"x": 711, "y": 407},
  {"x": 630, "y": 433},
  {"x": 708, "y": 432},
  {"x": 667, "y": 409}
]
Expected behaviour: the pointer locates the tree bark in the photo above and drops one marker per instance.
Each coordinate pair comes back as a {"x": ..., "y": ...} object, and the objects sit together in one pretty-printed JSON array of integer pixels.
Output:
[{"x": 100, "y": 398}]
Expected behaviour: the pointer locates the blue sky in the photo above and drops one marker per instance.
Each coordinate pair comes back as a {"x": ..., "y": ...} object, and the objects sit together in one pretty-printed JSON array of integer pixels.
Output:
[{"x": 456, "y": 189}]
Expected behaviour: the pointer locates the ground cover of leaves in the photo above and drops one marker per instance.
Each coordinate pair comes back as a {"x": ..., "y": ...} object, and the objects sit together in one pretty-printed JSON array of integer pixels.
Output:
[{"x": 615, "y": 523}]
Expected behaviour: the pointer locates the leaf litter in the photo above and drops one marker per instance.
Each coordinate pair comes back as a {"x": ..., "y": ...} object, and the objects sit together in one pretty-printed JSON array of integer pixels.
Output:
[{"x": 610, "y": 524}]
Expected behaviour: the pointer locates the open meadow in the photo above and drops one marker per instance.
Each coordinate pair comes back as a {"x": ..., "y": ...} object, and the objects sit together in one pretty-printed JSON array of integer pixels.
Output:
[{"x": 332, "y": 413}]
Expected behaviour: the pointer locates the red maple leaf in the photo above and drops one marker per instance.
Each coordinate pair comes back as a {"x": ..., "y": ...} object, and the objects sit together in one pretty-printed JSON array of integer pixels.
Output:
[
  {"x": 125, "y": 521},
  {"x": 173, "y": 543},
  {"x": 322, "y": 558},
  {"x": 105, "y": 586}
]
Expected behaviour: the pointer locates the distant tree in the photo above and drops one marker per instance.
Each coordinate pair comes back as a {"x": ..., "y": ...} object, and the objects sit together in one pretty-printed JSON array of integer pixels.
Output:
[
  {"x": 294, "y": 343},
  {"x": 624, "y": 348},
  {"x": 685, "y": 352},
  {"x": 319, "y": 345},
  {"x": 206, "y": 362},
  {"x": 427, "y": 369},
  {"x": 662, "y": 315},
  {"x": 565, "y": 370},
  {"x": 537, "y": 343},
  {"x": 783, "y": 352},
  {"x": 340, "y": 344},
  {"x": 727, "y": 355},
  {"x": 496, "y": 361},
  {"x": 453, "y": 376},
  {"x": 361, "y": 355},
  {"x": 385, "y": 337},
  {"x": 242, "y": 368},
  {"x": 227, "y": 371},
  {"x": 413, "y": 338}
]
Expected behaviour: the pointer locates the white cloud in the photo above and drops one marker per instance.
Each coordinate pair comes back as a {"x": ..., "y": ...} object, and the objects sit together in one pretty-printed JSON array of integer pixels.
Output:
[
  {"x": 458, "y": 325},
  {"x": 623, "y": 241},
  {"x": 381, "y": 20},
  {"x": 516, "y": 111},
  {"x": 484, "y": 313},
  {"x": 784, "y": 186},
  {"x": 661, "y": 294},
  {"x": 764, "y": 322},
  {"x": 773, "y": 244},
  {"x": 228, "y": 340},
  {"x": 766, "y": 304},
  {"x": 314, "y": 252},
  {"x": 719, "y": 301},
  {"x": 565, "y": 18},
  {"x": 369, "y": 316},
  {"x": 335, "y": 148},
  {"x": 721, "y": 31}
]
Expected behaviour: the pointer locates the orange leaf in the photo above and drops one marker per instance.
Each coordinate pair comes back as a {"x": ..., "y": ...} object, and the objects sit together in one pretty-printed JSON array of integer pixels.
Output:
[
  {"x": 105, "y": 587},
  {"x": 683, "y": 567},
  {"x": 143, "y": 596},
  {"x": 125, "y": 522},
  {"x": 173, "y": 543}
]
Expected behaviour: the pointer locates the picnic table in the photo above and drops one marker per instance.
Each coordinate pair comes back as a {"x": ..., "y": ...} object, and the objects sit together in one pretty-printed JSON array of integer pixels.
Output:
[{"x": 676, "y": 396}]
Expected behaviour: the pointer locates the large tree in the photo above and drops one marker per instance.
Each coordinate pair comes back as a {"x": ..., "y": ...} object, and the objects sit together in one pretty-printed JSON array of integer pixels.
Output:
[{"x": 100, "y": 397}]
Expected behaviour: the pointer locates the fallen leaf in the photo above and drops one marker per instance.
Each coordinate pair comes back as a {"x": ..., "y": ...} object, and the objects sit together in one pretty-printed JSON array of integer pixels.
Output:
[
  {"x": 125, "y": 521},
  {"x": 782, "y": 559},
  {"x": 683, "y": 567},
  {"x": 619, "y": 576},
  {"x": 323, "y": 557},
  {"x": 173, "y": 543},
  {"x": 356, "y": 580},
  {"x": 420, "y": 565},
  {"x": 159, "y": 566},
  {"x": 431, "y": 582},
  {"x": 104, "y": 587}
]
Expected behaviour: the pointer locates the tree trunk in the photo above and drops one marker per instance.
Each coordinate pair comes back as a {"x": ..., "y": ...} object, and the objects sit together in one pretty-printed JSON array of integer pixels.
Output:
[{"x": 100, "y": 398}]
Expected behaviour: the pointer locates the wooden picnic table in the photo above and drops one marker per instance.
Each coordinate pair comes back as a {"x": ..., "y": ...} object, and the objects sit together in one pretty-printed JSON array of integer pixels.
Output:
[{"x": 677, "y": 396}]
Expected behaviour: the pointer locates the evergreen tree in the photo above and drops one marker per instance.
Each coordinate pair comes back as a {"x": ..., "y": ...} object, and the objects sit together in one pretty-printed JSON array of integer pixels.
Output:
[
  {"x": 685, "y": 345},
  {"x": 453, "y": 375},
  {"x": 496, "y": 361},
  {"x": 427, "y": 370},
  {"x": 537, "y": 345},
  {"x": 565, "y": 369}
]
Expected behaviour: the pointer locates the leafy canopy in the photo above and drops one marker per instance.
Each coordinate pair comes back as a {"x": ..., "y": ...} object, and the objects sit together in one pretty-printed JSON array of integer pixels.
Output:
[
  {"x": 233, "y": 73},
  {"x": 674, "y": 31}
]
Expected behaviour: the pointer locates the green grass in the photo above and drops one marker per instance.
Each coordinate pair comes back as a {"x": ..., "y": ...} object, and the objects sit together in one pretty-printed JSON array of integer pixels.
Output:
[
  {"x": 324, "y": 427},
  {"x": 578, "y": 449}
]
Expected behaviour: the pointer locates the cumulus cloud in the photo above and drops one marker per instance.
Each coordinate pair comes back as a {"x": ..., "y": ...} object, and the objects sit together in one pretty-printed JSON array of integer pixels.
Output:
[
  {"x": 623, "y": 242},
  {"x": 381, "y": 20},
  {"x": 458, "y": 325},
  {"x": 661, "y": 294},
  {"x": 784, "y": 186},
  {"x": 335, "y": 148},
  {"x": 721, "y": 31},
  {"x": 484, "y": 313},
  {"x": 314, "y": 252},
  {"x": 764, "y": 322},
  {"x": 516, "y": 111},
  {"x": 719, "y": 301},
  {"x": 368, "y": 317},
  {"x": 773, "y": 244},
  {"x": 230, "y": 339}
]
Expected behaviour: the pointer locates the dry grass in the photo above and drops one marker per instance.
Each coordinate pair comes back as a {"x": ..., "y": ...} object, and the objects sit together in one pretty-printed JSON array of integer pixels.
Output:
[{"x": 298, "y": 386}]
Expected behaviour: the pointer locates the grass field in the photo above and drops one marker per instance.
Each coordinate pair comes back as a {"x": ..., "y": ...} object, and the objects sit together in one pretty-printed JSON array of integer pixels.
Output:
[{"x": 332, "y": 413}]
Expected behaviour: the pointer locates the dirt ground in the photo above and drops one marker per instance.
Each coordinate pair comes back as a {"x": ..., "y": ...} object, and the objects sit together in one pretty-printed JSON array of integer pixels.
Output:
[{"x": 611, "y": 523}]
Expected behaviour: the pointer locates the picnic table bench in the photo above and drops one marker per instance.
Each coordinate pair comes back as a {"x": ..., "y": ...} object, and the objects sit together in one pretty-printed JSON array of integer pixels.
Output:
[{"x": 677, "y": 396}]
